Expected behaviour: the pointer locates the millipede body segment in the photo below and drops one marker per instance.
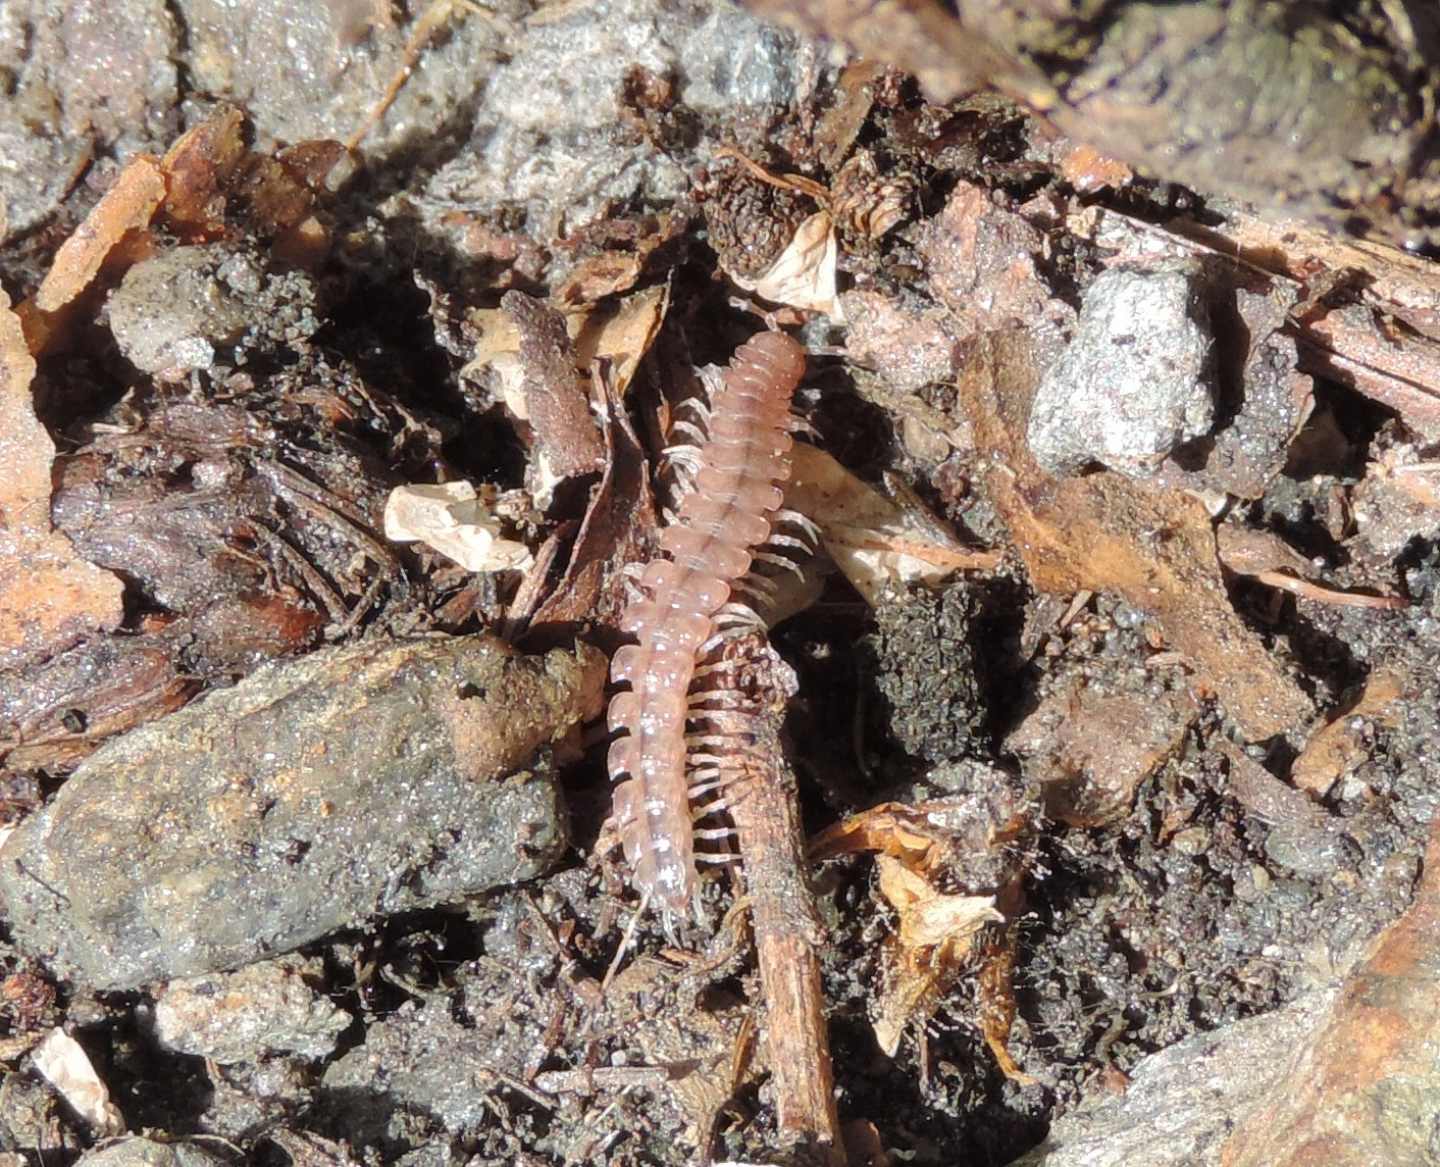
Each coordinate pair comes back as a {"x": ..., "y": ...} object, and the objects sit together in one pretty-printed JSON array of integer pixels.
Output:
[{"x": 708, "y": 548}]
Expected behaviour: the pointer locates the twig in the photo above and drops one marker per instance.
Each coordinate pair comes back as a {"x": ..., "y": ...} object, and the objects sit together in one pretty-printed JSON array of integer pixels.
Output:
[
  {"x": 765, "y": 809},
  {"x": 425, "y": 28},
  {"x": 594, "y": 1079}
]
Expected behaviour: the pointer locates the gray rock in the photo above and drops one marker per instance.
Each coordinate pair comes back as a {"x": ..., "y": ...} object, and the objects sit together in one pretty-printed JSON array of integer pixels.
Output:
[
  {"x": 78, "y": 78},
  {"x": 1136, "y": 381},
  {"x": 139, "y": 1152},
  {"x": 316, "y": 795},
  {"x": 1182, "y": 1103},
  {"x": 306, "y": 71},
  {"x": 173, "y": 311},
  {"x": 545, "y": 135},
  {"x": 263, "y": 1009}
]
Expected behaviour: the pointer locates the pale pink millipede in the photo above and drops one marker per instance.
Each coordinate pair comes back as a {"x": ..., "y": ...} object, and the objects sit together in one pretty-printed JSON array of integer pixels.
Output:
[{"x": 710, "y": 544}]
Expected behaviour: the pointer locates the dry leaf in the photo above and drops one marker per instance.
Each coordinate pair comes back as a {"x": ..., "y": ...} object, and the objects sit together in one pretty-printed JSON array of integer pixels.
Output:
[
  {"x": 61, "y": 1061},
  {"x": 1104, "y": 532},
  {"x": 48, "y": 595},
  {"x": 925, "y": 847},
  {"x": 452, "y": 519},
  {"x": 620, "y": 334},
  {"x": 930, "y": 950},
  {"x": 803, "y": 276},
  {"x": 875, "y": 542},
  {"x": 618, "y": 527},
  {"x": 1340, "y": 746}
]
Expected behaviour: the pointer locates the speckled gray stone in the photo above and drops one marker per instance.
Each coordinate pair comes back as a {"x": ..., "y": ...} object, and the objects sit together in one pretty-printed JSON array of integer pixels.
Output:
[
  {"x": 547, "y": 136},
  {"x": 172, "y": 312},
  {"x": 79, "y": 80},
  {"x": 316, "y": 795},
  {"x": 268, "y": 1008},
  {"x": 1138, "y": 378},
  {"x": 1182, "y": 1103},
  {"x": 150, "y": 1153}
]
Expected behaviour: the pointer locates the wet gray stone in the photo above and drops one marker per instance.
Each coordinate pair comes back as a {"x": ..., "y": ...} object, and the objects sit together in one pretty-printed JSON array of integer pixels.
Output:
[
  {"x": 171, "y": 313},
  {"x": 317, "y": 795},
  {"x": 1138, "y": 378},
  {"x": 1182, "y": 1103},
  {"x": 141, "y": 1152},
  {"x": 262, "y": 1010}
]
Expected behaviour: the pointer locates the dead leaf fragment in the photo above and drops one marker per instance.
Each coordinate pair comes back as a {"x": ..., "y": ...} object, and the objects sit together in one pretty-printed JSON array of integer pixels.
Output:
[
  {"x": 803, "y": 275},
  {"x": 127, "y": 206},
  {"x": 929, "y": 951},
  {"x": 1104, "y": 532},
  {"x": 618, "y": 526},
  {"x": 48, "y": 596},
  {"x": 61, "y": 1061},
  {"x": 455, "y": 521},
  {"x": 877, "y": 543},
  {"x": 921, "y": 849}
]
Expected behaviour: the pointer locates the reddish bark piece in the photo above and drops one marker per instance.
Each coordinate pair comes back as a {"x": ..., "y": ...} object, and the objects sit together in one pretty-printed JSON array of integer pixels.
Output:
[
  {"x": 48, "y": 596},
  {"x": 1362, "y": 1090},
  {"x": 197, "y": 168},
  {"x": 566, "y": 435},
  {"x": 127, "y": 206},
  {"x": 981, "y": 261}
]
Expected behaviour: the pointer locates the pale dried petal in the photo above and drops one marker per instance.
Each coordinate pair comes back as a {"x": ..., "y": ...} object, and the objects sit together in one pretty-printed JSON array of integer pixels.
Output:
[
  {"x": 878, "y": 544},
  {"x": 450, "y": 518},
  {"x": 61, "y": 1061},
  {"x": 804, "y": 274}
]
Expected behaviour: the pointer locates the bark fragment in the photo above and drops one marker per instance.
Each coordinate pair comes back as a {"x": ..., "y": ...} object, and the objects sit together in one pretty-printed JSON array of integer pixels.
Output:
[{"x": 1104, "y": 532}]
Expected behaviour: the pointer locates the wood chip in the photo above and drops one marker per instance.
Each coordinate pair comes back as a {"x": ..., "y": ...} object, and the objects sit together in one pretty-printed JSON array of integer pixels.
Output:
[
  {"x": 127, "y": 206},
  {"x": 556, "y": 402}
]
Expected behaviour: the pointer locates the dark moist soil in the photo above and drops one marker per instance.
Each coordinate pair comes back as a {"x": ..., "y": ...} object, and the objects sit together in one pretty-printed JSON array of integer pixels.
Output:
[{"x": 1180, "y": 916}]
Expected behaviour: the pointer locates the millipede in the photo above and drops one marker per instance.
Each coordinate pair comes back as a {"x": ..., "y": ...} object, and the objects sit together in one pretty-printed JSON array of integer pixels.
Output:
[{"x": 667, "y": 760}]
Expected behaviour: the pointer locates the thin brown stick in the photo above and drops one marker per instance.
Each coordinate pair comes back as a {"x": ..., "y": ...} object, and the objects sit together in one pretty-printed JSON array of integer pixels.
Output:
[{"x": 765, "y": 811}]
